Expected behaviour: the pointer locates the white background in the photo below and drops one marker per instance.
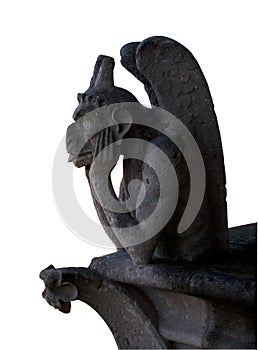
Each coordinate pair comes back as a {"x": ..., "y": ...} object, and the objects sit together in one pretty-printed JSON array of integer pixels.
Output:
[{"x": 48, "y": 50}]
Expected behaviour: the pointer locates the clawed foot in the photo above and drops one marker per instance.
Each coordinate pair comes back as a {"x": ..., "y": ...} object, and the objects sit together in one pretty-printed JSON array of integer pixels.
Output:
[
  {"x": 57, "y": 292},
  {"x": 139, "y": 256},
  {"x": 142, "y": 253}
]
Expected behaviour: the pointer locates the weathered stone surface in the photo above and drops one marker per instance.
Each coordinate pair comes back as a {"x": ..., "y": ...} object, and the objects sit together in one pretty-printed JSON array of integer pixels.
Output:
[
  {"x": 130, "y": 316},
  {"x": 226, "y": 282},
  {"x": 201, "y": 306},
  {"x": 201, "y": 323},
  {"x": 173, "y": 290},
  {"x": 175, "y": 83},
  {"x": 161, "y": 306}
]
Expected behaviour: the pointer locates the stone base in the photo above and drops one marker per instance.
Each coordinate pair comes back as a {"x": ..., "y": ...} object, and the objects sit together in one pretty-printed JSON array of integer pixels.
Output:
[{"x": 168, "y": 306}]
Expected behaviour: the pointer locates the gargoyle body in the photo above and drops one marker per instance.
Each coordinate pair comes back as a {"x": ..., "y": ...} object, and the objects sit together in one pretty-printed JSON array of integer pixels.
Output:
[{"x": 175, "y": 83}]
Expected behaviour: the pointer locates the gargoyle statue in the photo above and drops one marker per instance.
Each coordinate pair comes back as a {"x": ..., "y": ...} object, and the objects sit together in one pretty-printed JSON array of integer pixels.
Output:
[{"x": 175, "y": 83}]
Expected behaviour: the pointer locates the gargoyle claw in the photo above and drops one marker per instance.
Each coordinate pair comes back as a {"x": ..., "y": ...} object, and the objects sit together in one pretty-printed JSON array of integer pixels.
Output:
[{"x": 57, "y": 292}]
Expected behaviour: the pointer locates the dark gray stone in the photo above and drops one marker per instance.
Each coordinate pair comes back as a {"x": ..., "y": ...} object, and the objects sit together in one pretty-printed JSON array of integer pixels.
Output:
[
  {"x": 175, "y": 83},
  {"x": 228, "y": 281},
  {"x": 181, "y": 88},
  {"x": 129, "y": 315},
  {"x": 165, "y": 306},
  {"x": 208, "y": 306},
  {"x": 173, "y": 291}
]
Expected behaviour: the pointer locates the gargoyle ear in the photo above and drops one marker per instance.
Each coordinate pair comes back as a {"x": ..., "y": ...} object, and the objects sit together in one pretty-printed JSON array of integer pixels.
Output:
[{"x": 123, "y": 122}]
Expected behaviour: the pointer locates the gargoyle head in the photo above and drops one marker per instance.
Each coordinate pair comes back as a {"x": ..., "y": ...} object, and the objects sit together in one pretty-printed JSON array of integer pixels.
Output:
[{"x": 102, "y": 92}]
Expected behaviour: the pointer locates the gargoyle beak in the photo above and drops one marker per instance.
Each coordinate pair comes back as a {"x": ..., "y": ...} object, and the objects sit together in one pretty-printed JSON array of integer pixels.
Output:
[{"x": 71, "y": 158}]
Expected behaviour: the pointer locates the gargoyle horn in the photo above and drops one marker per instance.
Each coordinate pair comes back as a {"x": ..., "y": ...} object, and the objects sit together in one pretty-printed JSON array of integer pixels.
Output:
[{"x": 103, "y": 73}]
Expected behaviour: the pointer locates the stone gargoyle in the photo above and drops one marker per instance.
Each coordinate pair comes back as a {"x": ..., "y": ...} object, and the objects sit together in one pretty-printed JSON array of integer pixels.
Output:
[
  {"x": 198, "y": 286},
  {"x": 175, "y": 85}
]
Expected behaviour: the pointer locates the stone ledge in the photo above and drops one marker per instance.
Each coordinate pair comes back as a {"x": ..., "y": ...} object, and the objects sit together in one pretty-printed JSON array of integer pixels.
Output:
[{"x": 230, "y": 281}]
